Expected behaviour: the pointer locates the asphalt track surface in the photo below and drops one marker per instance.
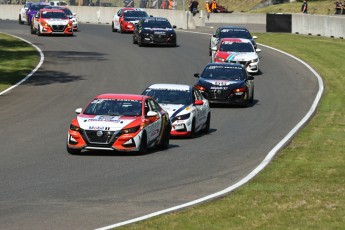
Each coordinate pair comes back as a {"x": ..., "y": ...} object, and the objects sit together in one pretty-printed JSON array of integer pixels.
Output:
[{"x": 43, "y": 187}]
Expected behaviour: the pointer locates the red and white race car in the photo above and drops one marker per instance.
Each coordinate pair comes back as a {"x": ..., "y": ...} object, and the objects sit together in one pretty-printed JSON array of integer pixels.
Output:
[
  {"x": 51, "y": 21},
  {"x": 237, "y": 50},
  {"x": 122, "y": 122},
  {"x": 126, "y": 18}
]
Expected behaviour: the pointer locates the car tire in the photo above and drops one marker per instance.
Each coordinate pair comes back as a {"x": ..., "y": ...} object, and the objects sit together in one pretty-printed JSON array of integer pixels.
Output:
[
  {"x": 134, "y": 40},
  {"x": 207, "y": 125},
  {"x": 39, "y": 31},
  {"x": 121, "y": 30},
  {"x": 32, "y": 30},
  {"x": 112, "y": 27},
  {"x": 20, "y": 20},
  {"x": 192, "y": 132},
  {"x": 164, "y": 142},
  {"x": 140, "y": 43},
  {"x": 143, "y": 144},
  {"x": 209, "y": 50},
  {"x": 73, "y": 151},
  {"x": 251, "y": 100}
]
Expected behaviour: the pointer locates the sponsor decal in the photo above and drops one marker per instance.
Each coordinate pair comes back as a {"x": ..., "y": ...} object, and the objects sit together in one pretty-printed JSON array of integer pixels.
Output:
[{"x": 99, "y": 128}]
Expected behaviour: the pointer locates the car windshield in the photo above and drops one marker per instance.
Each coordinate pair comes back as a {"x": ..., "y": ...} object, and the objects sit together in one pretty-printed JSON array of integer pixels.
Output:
[
  {"x": 169, "y": 96},
  {"x": 156, "y": 23},
  {"x": 236, "y": 46},
  {"x": 36, "y": 7},
  {"x": 134, "y": 14},
  {"x": 114, "y": 107},
  {"x": 234, "y": 33},
  {"x": 223, "y": 72},
  {"x": 47, "y": 14}
]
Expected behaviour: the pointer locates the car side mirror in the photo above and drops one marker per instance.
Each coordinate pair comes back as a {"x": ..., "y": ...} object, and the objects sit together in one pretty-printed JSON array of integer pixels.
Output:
[
  {"x": 214, "y": 48},
  {"x": 196, "y": 75},
  {"x": 78, "y": 111},
  {"x": 258, "y": 50},
  {"x": 151, "y": 114},
  {"x": 214, "y": 35},
  {"x": 250, "y": 77},
  {"x": 174, "y": 27},
  {"x": 198, "y": 102},
  {"x": 255, "y": 37}
]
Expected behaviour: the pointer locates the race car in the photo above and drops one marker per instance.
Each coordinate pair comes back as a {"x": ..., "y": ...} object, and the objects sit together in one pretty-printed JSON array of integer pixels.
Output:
[
  {"x": 154, "y": 31},
  {"x": 51, "y": 21},
  {"x": 125, "y": 19},
  {"x": 188, "y": 110},
  {"x": 68, "y": 12},
  {"x": 231, "y": 32},
  {"x": 226, "y": 83},
  {"x": 119, "y": 122},
  {"x": 29, "y": 11},
  {"x": 237, "y": 50}
]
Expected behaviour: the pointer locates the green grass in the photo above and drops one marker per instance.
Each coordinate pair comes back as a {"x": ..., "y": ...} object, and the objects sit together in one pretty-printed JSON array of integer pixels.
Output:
[
  {"x": 303, "y": 187},
  {"x": 17, "y": 59}
]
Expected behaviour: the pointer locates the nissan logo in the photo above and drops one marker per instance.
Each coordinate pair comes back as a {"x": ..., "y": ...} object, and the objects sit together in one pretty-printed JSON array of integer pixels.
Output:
[
  {"x": 99, "y": 133},
  {"x": 219, "y": 91}
]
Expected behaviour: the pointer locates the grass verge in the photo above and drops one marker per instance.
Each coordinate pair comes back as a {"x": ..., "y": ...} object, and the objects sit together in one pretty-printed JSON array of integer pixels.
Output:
[
  {"x": 17, "y": 59},
  {"x": 303, "y": 187}
]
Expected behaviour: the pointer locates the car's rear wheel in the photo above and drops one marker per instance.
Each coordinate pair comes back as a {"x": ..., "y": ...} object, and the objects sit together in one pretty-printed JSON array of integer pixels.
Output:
[
  {"x": 164, "y": 142},
  {"x": 143, "y": 144},
  {"x": 73, "y": 151},
  {"x": 20, "y": 20},
  {"x": 208, "y": 123}
]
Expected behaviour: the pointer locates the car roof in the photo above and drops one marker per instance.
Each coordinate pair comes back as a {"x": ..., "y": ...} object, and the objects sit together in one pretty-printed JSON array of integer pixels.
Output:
[
  {"x": 243, "y": 40},
  {"x": 51, "y": 10},
  {"x": 233, "y": 27},
  {"x": 156, "y": 18},
  {"x": 171, "y": 86},
  {"x": 224, "y": 64},
  {"x": 122, "y": 96}
]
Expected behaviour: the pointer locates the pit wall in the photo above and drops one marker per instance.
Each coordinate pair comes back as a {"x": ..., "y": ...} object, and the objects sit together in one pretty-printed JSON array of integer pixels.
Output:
[{"x": 319, "y": 25}]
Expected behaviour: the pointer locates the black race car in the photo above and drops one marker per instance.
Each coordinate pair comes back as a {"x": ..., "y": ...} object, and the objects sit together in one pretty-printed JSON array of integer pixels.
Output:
[
  {"x": 154, "y": 30},
  {"x": 227, "y": 83}
]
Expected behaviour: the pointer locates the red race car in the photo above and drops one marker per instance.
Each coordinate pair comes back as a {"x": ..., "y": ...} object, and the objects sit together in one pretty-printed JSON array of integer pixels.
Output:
[
  {"x": 126, "y": 18},
  {"x": 51, "y": 21},
  {"x": 122, "y": 122}
]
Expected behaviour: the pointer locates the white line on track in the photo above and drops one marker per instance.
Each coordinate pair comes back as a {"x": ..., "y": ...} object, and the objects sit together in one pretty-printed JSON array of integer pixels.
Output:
[
  {"x": 32, "y": 72},
  {"x": 253, "y": 173}
]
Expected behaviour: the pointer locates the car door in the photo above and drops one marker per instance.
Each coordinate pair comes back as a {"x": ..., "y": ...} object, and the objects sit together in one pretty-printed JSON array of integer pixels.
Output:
[
  {"x": 117, "y": 19},
  {"x": 155, "y": 126},
  {"x": 36, "y": 19},
  {"x": 201, "y": 111}
]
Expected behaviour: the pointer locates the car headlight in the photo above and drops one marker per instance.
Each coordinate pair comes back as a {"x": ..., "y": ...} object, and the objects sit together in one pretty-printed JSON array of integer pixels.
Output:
[
  {"x": 131, "y": 130},
  {"x": 254, "y": 60},
  {"x": 220, "y": 59},
  {"x": 182, "y": 117}
]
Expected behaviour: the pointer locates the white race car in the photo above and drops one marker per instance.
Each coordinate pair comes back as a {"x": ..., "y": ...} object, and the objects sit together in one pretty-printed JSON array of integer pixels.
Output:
[
  {"x": 188, "y": 110},
  {"x": 237, "y": 50}
]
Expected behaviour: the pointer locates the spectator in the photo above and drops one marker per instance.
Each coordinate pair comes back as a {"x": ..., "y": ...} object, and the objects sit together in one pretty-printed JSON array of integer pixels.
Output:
[
  {"x": 304, "y": 7},
  {"x": 343, "y": 8},
  {"x": 337, "y": 7},
  {"x": 165, "y": 4},
  {"x": 172, "y": 4},
  {"x": 193, "y": 7},
  {"x": 208, "y": 9},
  {"x": 143, "y": 4},
  {"x": 214, "y": 6}
]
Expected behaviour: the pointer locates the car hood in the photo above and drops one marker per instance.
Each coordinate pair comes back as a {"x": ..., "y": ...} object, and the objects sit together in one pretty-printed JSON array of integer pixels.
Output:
[
  {"x": 220, "y": 84},
  {"x": 176, "y": 109},
  {"x": 57, "y": 21},
  {"x": 159, "y": 30},
  {"x": 238, "y": 56},
  {"x": 104, "y": 122}
]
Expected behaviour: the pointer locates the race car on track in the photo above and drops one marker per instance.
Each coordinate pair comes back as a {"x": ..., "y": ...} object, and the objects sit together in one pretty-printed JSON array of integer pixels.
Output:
[
  {"x": 237, "y": 50},
  {"x": 154, "y": 30},
  {"x": 125, "y": 19},
  {"x": 68, "y": 12},
  {"x": 230, "y": 32},
  {"x": 120, "y": 122},
  {"x": 188, "y": 110},
  {"x": 51, "y": 21},
  {"x": 226, "y": 83},
  {"x": 29, "y": 11}
]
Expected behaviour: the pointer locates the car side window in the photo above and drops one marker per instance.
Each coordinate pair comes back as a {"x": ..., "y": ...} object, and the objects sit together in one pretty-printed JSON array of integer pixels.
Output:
[
  {"x": 119, "y": 13},
  {"x": 197, "y": 95},
  {"x": 153, "y": 105}
]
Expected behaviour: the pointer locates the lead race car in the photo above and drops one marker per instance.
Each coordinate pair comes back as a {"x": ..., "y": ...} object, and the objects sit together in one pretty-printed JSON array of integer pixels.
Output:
[
  {"x": 188, "y": 110},
  {"x": 120, "y": 122}
]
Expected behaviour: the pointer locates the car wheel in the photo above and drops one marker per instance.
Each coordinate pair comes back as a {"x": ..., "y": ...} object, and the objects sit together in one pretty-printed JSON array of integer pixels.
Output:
[
  {"x": 251, "y": 100},
  {"x": 20, "y": 20},
  {"x": 39, "y": 31},
  {"x": 209, "y": 50},
  {"x": 112, "y": 27},
  {"x": 192, "y": 133},
  {"x": 140, "y": 43},
  {"x": 73, "y": 151},
  {"x": 164, "y": 143},
  {"x": 208, "y": 123},
  {"x": 32, "y": 30},
  {"x": 120, "y": 29},
  {"x": 246, "y": 101},
  {"x": 143, "y": 144},
  {"x": 134, "y": 40}
]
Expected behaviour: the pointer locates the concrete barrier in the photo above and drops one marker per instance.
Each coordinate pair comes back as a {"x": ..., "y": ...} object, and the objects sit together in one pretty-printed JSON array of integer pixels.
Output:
[{"x": 319, "y": 25}]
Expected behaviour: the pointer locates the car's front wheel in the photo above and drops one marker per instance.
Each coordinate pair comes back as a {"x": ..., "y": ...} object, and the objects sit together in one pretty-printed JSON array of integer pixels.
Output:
[
  {"x": 143, "y": 144},
  {"x": 112, "y": 27},
  {"x": 73, "y": 151},
  {"x": 164, "y": 142},
  {"x": 20, "y": 20},
  {"x": 207, "y": 124},
  {"x": 134, "y": 40},
  {"x": 192, "y": 133}
]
